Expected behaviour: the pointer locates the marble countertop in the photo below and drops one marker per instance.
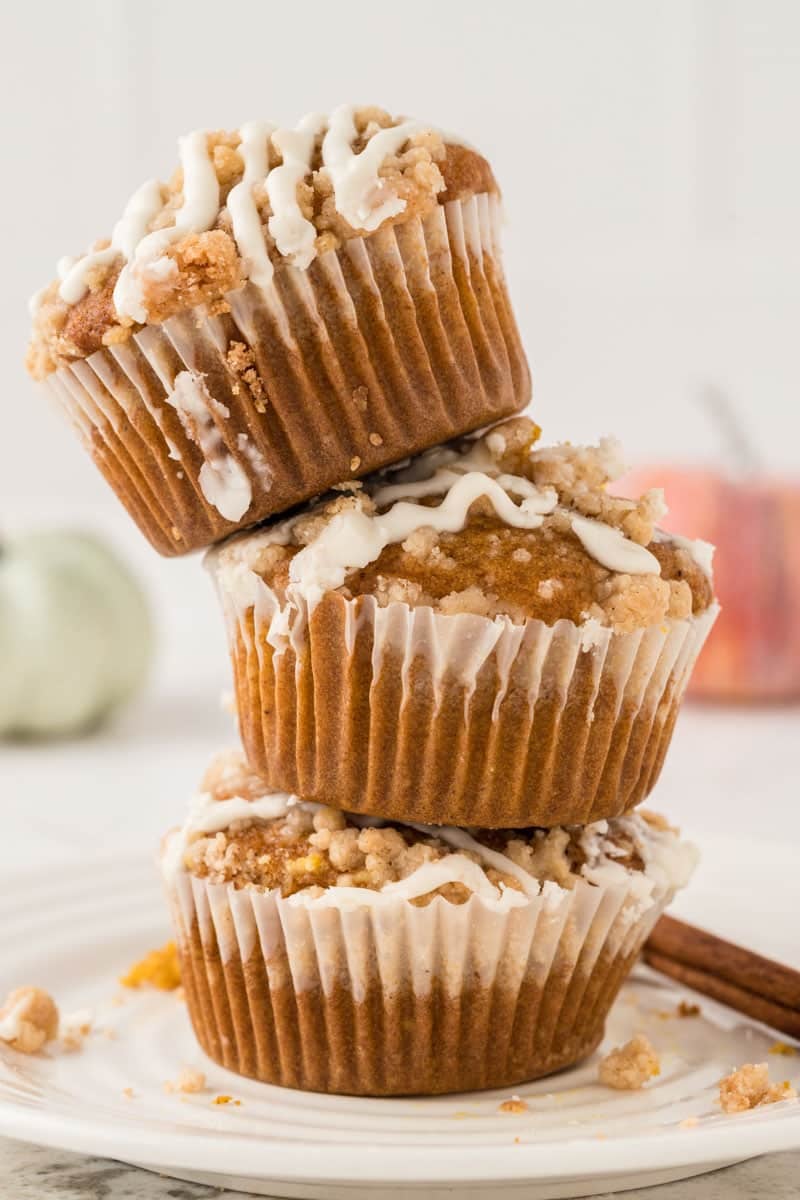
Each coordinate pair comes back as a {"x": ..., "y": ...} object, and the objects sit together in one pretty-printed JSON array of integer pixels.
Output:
[
  {"x": 129, "y": 783},
  {"x": 32, "y": 1173}
]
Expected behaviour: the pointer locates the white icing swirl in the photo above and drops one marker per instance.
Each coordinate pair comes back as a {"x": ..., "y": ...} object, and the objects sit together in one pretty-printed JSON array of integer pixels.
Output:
[
  {"x": 612, "y": 549},
  {"x": 363, "y": 199},
  {"x": 294, "y": 235},
  {"x": 223, "y": 481},
  {"x": 197, "y": 213},
  {"x": 128, "y": 232},
  {"x": 668, "y": 862},
  {"x": 353, "y": 539},
  {"x": 245, "y": 217}
]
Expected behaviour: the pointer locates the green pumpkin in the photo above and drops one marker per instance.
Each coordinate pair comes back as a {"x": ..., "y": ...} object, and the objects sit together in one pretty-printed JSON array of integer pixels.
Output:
[{"x": 76, "y": 636}]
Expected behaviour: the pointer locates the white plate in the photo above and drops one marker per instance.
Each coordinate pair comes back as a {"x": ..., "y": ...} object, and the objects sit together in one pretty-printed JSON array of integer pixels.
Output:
[{"x": 77, "y": 930}]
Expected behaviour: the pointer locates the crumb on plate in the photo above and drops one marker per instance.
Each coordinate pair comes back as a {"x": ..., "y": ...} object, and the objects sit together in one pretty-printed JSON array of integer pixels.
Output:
[
  {"x": 749, "y": 1086},
  {"x": 783, "y": 1048},
  {"x": 189, "y": 1082},
  {"x": 225, "y": 1100},
  {"x": 514, "y": 1105},
  {"x": 75, "y": 1028},
  {"x": 28, "y": 1019},
  {"x": 158, "y": 969},
  {"x": 685, "y": 1009},
  {"x": 629, "y": 1067}
]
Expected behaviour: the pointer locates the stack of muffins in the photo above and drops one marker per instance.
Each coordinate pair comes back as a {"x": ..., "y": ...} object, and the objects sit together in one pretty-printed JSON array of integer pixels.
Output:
[{"x": 458, "y": 659}]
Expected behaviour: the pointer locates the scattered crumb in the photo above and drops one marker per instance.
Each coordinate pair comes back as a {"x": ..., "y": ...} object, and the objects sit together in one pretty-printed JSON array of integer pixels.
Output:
[
  {"x": 688, "y": 1010},
  {"x": 159, "y": 969},
  {"x": 629, "y": 1067},
  {"x": 375, "y": 439},
  {"x": 689, "y": 1123},
  {"x": 225, "y": 1100},
  {"x": 28, "y": 1019},
  {"x": 128, "y": 1093},
  {"x": 749, "y": 1087},
  {"x": 75, "y": 1028},
  {"x": 783, "y": 1048},
  {"x": 514, "y": 1105},
  {"x": 355, "y": 463},
  {"x": 189, "y": 1082}
]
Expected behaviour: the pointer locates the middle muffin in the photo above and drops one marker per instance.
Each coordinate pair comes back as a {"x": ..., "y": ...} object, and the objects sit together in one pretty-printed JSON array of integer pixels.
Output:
[{"x": 484, "y": 638}]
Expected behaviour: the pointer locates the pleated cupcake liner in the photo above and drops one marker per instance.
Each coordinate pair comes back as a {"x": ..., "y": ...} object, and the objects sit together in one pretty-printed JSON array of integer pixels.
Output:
[
  {"x": 391, "y": 998},
  {"x": 459, "y": 720},
  {"x": 387, "y": 346}
]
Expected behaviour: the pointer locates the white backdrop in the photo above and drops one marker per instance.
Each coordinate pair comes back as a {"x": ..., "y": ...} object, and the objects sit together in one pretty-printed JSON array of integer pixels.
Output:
[{"x": 647, "y": 151}]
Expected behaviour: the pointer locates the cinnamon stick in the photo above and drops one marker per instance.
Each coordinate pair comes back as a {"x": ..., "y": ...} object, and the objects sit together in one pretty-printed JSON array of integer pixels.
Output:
[{"x": 758, "y": 987}]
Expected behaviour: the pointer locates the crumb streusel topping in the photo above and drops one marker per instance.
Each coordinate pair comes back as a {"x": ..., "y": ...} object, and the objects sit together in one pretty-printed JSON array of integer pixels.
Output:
[
  {"x": 495, "y": 527},
  {"x": 240, "y": 205},
  {"x": 238, "y": 833},
  {"x": 750, "y": 1086},
  {"x": 630, "y": 1067}
]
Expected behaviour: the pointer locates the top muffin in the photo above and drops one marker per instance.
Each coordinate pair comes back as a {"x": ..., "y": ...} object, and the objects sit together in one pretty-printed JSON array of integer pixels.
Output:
[
  {"x": 486, "y": 636},
  {"x": 242, "y": 204},
  {"x": 295, "y": 307}
]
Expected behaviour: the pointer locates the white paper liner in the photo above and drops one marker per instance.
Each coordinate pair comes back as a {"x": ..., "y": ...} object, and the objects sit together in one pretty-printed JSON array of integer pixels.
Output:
[
  {"x": 389, "y": 345},
  {"x": 404, "y": 945},
  {"x": 609, "y": 701},
  {"x": 338, "y": 998}
]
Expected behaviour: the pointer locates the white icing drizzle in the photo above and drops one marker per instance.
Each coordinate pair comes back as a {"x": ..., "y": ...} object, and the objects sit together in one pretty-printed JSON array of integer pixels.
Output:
[
  {"x": 222, "y": 479},
  {"x": 353, "y": 539},
  {"x": 294, "y": 235},
  {"x": 362, "y": 198},
  {"x": 360, "y": 195},
  {"x": 197, "y": 213},
  {"x": 701, "y": 552},
  {"x": 242, "y": 207},
  {"x": 128, "y": 232},
  {"x": 612, "y": 549},
  {"x": 668, "y": 861}
]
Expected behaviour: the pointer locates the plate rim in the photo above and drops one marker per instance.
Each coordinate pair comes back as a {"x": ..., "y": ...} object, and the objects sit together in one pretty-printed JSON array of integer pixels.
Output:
[{"x": 724, "y": 1140}]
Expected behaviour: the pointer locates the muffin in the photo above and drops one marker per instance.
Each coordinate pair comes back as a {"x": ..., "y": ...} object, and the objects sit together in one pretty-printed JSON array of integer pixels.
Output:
[
  {"x": 487, "y": 637},
  {"x": 337, "y": 954},
  {"x": 296, "y": 307}
]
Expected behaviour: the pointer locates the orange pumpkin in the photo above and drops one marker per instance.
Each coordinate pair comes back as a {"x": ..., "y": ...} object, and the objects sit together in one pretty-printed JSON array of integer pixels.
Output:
[{"x": 753, "y": 653}]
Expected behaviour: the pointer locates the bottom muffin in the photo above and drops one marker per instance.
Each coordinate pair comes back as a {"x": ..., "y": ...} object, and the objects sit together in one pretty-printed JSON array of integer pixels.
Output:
[{"x": 340, "y": 954}]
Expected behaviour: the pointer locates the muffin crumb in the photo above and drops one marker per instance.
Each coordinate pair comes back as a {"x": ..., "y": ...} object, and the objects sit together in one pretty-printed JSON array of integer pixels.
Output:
[
  {"x": 749, "y": 1087},
  {"x": 28, "y": 1019},
  {"x": 630, "y": 1067},
  {"x": 783, "y": 1048},
  {"x": 242, "y": 362},
  {"x": 685, "y": 1009},
  {"x": 74, "y": 1029},
  {"x": 189, "y": 1082},
  {"x": 514, "y": 1105},
  {"x": 158, "y": 969}
]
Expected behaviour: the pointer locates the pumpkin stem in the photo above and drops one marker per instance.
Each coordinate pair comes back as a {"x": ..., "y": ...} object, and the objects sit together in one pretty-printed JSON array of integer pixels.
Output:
[{"x": 726, "y": 417}]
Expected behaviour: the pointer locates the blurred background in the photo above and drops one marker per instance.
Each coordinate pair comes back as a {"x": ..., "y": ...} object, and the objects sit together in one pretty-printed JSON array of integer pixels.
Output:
[{"x": 648, "y": 157}]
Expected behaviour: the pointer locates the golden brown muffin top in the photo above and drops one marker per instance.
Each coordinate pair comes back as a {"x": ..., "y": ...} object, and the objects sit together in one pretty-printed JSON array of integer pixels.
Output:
[
  {"x": 513, "y": 531},
  {"x": 241, "y": 205}
]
